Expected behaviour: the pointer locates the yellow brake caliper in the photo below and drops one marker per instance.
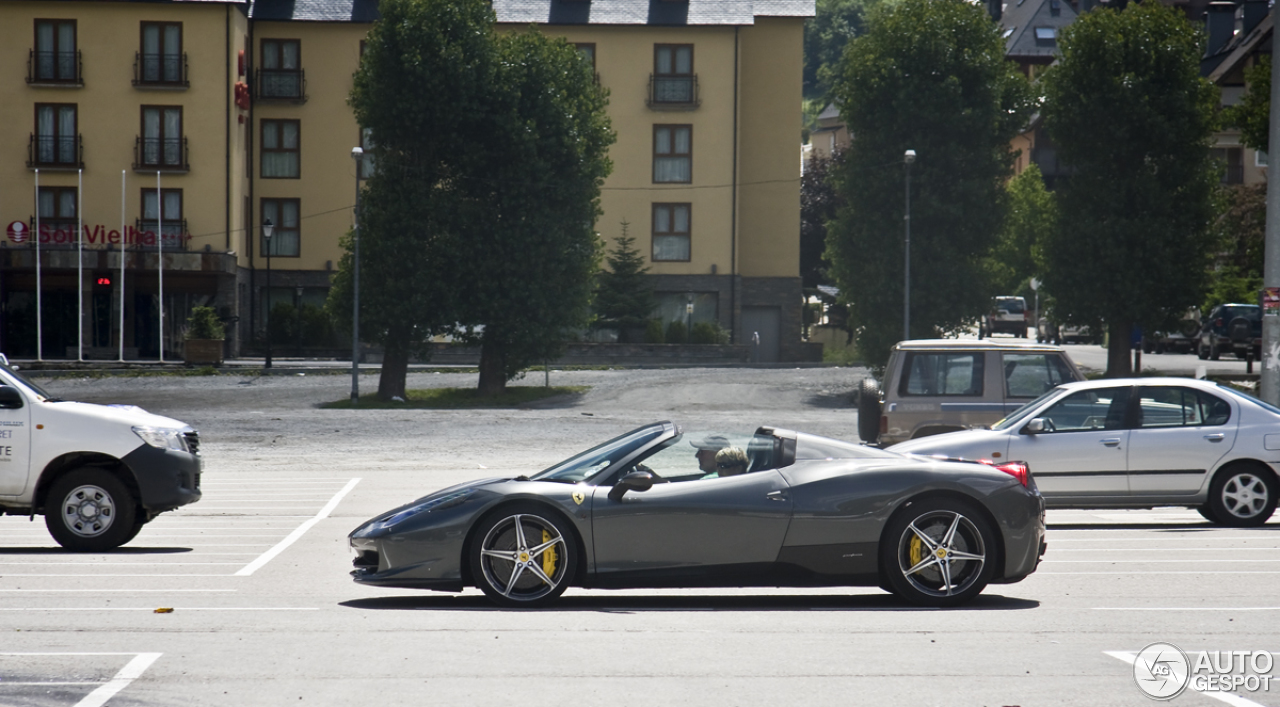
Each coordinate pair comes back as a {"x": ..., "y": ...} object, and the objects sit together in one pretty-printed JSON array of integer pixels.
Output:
[
  {"x": 548, "y": 557},
  {"x": 916, "y": 550}
]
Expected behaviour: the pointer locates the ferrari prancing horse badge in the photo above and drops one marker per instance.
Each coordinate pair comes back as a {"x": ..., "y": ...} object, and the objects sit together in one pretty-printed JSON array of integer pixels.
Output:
[{"x": 578, "y": 497}]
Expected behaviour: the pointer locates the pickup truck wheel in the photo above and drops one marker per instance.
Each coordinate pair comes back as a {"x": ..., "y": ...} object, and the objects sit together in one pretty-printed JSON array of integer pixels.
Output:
[
  {"x": 90, "y": 510},
  {"x": 868, "y": 410}
]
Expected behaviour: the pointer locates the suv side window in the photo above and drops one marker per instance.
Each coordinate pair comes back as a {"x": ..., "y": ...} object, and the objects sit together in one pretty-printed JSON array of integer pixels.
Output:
[
  {"x": 942, "y": 374},
  {"x": 1172, "y": 406},
  {"x": 1030, "y": 374}
]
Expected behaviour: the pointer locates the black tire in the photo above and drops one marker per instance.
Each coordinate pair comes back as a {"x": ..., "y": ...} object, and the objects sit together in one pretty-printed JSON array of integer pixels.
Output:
[
  {"x": 1201, "y": 352},
  {"x": 869, "y": 410},
  {"x": 1208, "y": 514},
  {"x": 919, "y": 547},
  {"x": 1147, "y": 347},
  {"x": 90, "y": 510},
  {"x": 1214, "y": 353},
  {"x": 133, "y": 532},
  {"x": 523, "y": 574},
  {"x": 1242, "y": 496}
]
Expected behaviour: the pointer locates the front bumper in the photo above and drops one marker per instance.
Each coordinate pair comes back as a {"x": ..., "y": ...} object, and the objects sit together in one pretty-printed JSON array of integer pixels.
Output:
[{"x": 166, "y": 478}]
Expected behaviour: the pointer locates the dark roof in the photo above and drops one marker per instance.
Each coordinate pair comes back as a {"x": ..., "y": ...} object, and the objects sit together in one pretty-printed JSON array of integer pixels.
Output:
[
  {"x": 315, "y": 10},
  {"x": 558, "y": 12},
  {"x": 1231, "y": 56},
  {"x": 1021, "y": 19}
]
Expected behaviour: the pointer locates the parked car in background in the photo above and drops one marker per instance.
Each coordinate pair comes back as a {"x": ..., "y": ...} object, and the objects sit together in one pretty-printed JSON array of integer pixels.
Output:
[
  {"x": 1008, "y": 315},
  {"x": 943, "y": 385},
  {"x": 1234, "y": 327},
  {"x": 1138, "y": 443},
  {"x": 1050, "y": 332},
  {"x": 1182, "y": 339}
]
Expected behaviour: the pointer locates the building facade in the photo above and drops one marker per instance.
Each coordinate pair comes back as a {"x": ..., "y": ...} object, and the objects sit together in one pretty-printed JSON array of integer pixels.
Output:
[{"x": 201, "y": 120}]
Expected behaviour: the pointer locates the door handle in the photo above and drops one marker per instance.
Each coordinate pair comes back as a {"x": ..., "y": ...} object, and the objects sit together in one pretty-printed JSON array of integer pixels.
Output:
[
  {"x": 1215, "y": 437},
  {"x": 776, "y": 495},
  {"x": 1111, "y": 441}
]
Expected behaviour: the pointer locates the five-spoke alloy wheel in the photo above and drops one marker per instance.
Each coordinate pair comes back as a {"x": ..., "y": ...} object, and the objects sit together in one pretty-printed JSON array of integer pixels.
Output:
[
  {"x": 1242, "y": 496},
  {"x": 523, "y": 556},
  {"x": 90, "y": 510},
  {"x": 938, "y": 552}
]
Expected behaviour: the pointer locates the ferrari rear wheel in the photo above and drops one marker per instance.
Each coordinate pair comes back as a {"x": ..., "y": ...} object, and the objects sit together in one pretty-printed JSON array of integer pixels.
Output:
[
  {"x": 939, "y": 552},
  {"x": 524, "y": 556}
]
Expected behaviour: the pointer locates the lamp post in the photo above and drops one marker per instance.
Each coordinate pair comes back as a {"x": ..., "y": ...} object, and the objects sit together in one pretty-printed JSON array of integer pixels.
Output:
[
  {"x": 907, "y": 158},
  {"x": 688, "y": 319},
  {"x": 267, "y": 229},
  {"x": 357, "y": 154}
]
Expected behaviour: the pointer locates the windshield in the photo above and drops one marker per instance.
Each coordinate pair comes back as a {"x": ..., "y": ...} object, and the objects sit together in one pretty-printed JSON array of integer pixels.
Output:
[
  {"x": 12, "y": 377},
  {"x": 584, "y": 466},
  {"x": 1018, "y": 415}
]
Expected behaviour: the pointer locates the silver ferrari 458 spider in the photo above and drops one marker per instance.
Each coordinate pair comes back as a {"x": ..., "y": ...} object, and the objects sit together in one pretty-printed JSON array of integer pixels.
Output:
[{"x": 660, "y": 506}]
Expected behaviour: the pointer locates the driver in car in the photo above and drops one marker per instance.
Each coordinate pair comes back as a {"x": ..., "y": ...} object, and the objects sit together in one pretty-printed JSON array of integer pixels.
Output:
[{"x": 707, "y": 448}]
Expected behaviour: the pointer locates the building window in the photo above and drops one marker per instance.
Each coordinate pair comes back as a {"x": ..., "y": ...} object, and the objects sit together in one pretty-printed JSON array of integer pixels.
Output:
[
  {"x": 56, "y": 142},
  {"x": 1233, "y": 159},
  {"x": 280, "y": 152},
  {"x": 671, "y": 232},
  {"x": 673, "y": 153},
  {"x": 1046, "y": 34},
  {"x": 55, "y": 58},
  {"x": 588, "y": 52},
  {"x": 281, "y": 72},
  {"x": 368, "y": 162},
  {"x": 58, "y": 210},
  {"x": 285, "y": 236},
  {"x": 161, "y": 145},
  {"x": 1260, "y": 159},
  {"x": 161, "y": 60},
  {"x": 673, "y": 78},
  {"x": 172, "y": 224}
]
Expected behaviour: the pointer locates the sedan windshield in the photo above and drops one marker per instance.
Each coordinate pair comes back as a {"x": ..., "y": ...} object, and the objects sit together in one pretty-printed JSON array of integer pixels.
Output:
[
  {"x": 1017, "y": 416},
  {"x": 584, "y": 466}
]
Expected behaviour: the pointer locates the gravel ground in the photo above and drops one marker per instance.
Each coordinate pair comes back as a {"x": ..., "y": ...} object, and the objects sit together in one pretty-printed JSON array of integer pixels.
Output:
[{"x": 274, "y": 423}]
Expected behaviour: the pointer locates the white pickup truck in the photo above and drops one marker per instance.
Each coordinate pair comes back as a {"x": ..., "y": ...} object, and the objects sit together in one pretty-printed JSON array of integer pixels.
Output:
[{"x": 97, "y": 473}]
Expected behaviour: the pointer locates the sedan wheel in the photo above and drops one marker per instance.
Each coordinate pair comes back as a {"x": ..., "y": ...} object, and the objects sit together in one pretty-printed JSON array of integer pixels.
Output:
[
  {"x": 939, "y": 552},
  {"x": 90, "y": 510},
  {"x": 523, "y": 557},
  {"x": 1242, "y": 496}
]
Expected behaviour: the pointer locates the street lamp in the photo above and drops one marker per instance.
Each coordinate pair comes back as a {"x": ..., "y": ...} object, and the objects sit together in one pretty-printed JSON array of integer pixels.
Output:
[
  {"x": 357, "y": 154},
  {"x": 688, "y": 319},
  {"x": 267, "y": 229},
  {"x": 907, "y": 158}
]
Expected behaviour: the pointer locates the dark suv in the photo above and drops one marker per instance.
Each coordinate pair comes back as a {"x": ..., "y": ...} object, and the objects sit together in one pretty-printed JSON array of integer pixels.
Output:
[{"x": 1231, "y": 327}]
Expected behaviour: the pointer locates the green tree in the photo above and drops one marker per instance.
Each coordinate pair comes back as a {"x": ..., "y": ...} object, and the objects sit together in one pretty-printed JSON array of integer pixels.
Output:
[
  {"x": 819, "y": 202},
  {"x": 624, "y": 298},
  {"x": 833, "y": 24},
  {"x": 1031, "y": 215},
  {"x": 930, "y": 76},
  {"x": 530, "y": 254},
  {"x": 1132, "y": 116},
  {"x": 1253, "y": 113},
  {"x": 423, "y": 89},
  {"x": 1239, "y": 235}
]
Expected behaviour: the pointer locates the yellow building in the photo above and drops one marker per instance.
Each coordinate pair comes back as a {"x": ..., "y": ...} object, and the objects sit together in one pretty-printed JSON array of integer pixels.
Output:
[{"x": 241, "y": 109}]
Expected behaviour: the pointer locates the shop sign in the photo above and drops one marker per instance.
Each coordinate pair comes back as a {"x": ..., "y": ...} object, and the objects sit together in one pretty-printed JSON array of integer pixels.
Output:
[{"x": 94, "y": 236}]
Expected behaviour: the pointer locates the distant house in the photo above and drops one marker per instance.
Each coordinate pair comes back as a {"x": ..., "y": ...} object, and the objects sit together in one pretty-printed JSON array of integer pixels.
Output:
[{"x": 1239, "y": 37}]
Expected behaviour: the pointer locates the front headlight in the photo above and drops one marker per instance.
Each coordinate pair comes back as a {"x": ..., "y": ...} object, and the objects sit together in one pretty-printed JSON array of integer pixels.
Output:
[
  {"x": 435, "y": 504},
  {"x": 162, "y": 437}
]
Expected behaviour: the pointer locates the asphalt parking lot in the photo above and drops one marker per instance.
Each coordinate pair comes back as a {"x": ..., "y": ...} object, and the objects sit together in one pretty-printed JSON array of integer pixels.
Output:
[{"x": 263, "y": 612}]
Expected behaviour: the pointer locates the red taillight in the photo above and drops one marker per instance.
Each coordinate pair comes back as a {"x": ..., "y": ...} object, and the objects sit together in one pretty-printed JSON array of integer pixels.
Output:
[
  {"x": 1217, "y": 322},
  {"x": 1018, "y": 470}
]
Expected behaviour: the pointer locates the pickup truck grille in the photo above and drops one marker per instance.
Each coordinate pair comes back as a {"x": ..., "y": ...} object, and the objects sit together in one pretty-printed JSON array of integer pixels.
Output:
[{"x": 193, "y": 442}]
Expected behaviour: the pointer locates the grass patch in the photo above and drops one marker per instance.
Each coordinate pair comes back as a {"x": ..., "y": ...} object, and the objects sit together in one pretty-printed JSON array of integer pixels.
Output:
[{"x": 460, "y": 398}]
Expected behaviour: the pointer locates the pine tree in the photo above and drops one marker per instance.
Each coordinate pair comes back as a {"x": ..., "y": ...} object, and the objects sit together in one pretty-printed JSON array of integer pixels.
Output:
[{"x": 623, "y": 298}]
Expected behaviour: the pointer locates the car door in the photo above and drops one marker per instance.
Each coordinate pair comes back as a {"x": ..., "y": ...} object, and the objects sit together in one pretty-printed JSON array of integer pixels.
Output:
[
  {"x": 687, "y": 525},
  {"x": 1179, "y": 436},
  {"x": 1083, "y": 451},
  {"x": 15, "y": 442}
]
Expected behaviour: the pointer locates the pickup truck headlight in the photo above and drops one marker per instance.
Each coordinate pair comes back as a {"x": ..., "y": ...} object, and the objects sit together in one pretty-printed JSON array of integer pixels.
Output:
[{"x": 162, "y": 437}]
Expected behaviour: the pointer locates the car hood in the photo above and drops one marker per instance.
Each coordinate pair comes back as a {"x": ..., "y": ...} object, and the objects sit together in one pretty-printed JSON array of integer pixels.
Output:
[
  {"x": 952, "y": 444},
  {"x": 131, "y": 415}
]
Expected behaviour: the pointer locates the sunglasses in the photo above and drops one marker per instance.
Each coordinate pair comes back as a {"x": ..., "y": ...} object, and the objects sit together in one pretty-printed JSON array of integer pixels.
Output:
[{"x": 728, "y": 465}]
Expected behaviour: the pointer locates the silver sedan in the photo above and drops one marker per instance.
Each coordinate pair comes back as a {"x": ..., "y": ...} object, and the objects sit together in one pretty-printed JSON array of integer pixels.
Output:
[{"x": 1137, "y": 443}]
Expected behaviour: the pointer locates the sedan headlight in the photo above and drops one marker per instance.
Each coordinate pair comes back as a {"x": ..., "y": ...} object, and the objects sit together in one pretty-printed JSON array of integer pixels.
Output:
[
  {"x": 162, "y": 437},
  {"x": 434, "y": 504}
]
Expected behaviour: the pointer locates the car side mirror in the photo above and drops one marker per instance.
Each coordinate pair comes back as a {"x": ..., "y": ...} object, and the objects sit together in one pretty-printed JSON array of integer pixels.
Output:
[
  {"x": 635, "y": 481},
  {"x": 1034, "y": 427},
  {"x": 10, "y": 398}
]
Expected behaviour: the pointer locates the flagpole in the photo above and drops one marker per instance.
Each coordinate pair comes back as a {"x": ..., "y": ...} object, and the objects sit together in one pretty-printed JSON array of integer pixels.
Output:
[
  {"x": 123, "y": 240},
  {"x": 160, "y": 259},
  {"x": 39, "y": 303},
  {"x": 80, "y": 257}
]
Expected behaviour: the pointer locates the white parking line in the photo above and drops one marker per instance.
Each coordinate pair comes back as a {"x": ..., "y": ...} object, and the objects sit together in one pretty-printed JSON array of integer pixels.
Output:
[
  {"x": 1187, "y": 608},
  {"x": 1128, "y": 573},
  {"x": 130, "y": 672},
  {"x": 148, "y": 609},
  {"x": 1228, "y": 697},
  {"x": 1250, "y": 561},
  {"x": 297, "y": 533}
]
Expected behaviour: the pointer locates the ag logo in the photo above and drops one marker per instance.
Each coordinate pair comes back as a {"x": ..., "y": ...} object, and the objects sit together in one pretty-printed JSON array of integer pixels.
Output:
[
  {"x": 579, "y": 497},
  {"x": 1162, "y": 671}
]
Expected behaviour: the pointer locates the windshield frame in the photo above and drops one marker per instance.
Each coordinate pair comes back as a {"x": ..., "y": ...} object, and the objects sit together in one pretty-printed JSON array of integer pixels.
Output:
[
  {"x": 1018, "y": 416},
  {"x": 617, "y": 450},
  {"x": 13, "y": 377}
]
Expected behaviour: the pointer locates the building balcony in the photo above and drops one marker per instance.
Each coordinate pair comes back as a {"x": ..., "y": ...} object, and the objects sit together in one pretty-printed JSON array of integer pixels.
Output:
[
  {"x": 174, "y": 236},
  {"x": 58, "y": 69},
  {"x": 55, "y": 152},
  {"x": 152, "y": 154},
  {"x": 280, "y": 85},
  {"x": 160, "y": 71},
  {"x": 673, "y": 92}
]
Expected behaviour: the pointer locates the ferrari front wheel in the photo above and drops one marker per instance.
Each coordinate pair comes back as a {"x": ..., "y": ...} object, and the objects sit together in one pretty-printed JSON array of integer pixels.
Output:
[
  {"x": 938, "y": 552},
  {"x": 523, "y": 556}
]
